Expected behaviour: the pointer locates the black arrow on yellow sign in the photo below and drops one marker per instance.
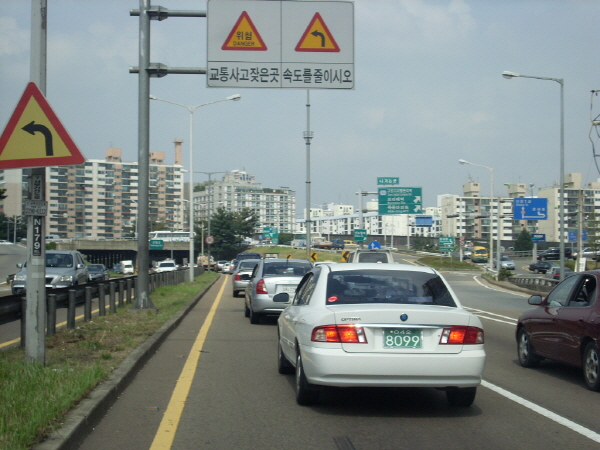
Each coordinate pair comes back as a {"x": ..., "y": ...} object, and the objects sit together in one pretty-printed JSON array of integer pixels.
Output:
[{"x": 33, "y": 127}]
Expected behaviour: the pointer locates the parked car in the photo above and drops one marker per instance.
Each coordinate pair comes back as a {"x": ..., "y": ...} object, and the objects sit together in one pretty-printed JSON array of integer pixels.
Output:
[
  {"x": 505, "y": 263},
  {"x": 241, "y": 275},
  {"x": 541, "y": 266},
  {"x": 269, "y": 277},
  {"x": 64, "y": 268},
  {"x": 376, "y": 325},
  {"x": 564, "y": 327},
  {"x": 97, "y": 272},
  {"x": 588, "y": 252},
  {"x": 553, "y": 253}
]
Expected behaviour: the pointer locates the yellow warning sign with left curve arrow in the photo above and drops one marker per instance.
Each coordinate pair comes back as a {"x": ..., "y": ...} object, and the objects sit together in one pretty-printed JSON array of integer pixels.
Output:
[{"x": 35, "y": 137}]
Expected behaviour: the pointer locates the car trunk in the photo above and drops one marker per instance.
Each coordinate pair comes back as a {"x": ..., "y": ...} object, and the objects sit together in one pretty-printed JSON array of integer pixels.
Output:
[{"x": 386, "y": 332}]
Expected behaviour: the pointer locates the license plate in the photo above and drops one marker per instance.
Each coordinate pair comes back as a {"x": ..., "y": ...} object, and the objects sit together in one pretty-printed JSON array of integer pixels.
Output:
[
  {"x": 402, "y": 338},
  {"x": 288, "y": 289}
]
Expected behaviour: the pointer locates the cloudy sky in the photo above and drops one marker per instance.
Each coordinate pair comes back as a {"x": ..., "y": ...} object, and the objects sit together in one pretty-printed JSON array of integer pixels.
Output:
[{"x": 429, "y": 91}]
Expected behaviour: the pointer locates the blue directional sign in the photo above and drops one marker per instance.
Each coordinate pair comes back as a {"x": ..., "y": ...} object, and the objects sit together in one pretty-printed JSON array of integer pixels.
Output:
[
  {"x": 573, "y": 236},
  {"x": 373, "y": 245},
  {"x": 538, "y": 238},
  {"x": 530, "y": 208}
]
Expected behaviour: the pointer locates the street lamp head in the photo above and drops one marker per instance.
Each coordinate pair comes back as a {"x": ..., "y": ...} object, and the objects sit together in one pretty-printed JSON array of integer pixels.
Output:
[
  {"x": 509, "y": 75},
  {"x": 153, "y": 97},
  {"x": 462, "y": 161},
  {"x": 234, "y": 97}
]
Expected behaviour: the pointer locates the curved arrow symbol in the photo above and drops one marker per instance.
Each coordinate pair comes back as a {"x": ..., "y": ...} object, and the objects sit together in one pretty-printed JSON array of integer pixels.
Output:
[
  {"x": 32, "y": 127},
  {"x": 318, "y": 33}
]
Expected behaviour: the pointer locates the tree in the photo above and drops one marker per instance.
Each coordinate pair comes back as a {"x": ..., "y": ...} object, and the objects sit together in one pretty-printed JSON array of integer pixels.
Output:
[
  {"x": 285, "y": 238},
  {"x": 523, "y": 242},
  {"x": 229, "y": 230}
]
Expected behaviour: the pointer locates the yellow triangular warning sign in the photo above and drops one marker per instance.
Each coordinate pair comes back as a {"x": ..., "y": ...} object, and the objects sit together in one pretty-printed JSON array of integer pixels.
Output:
[
  {"x": 317, "y": 37},
  {"x": 244, "y": 36},
  {"x": 34, "y": 137}
]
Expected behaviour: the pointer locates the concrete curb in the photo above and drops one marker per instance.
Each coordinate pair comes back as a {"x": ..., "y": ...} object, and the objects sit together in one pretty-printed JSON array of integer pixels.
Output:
[{"x": 80, "y": 420}]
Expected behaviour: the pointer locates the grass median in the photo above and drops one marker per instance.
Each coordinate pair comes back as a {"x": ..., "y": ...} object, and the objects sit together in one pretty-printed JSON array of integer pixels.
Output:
[{"x": 35, "y": 398}]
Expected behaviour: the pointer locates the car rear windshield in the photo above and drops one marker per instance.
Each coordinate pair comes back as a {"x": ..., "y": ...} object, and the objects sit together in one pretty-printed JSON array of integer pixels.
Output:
[
  {"x": 387, "y": 286},
  {"x": 286, "y": 269},
  {"x": 250, "y": 264},
  {"x": 372, "y": 257}
]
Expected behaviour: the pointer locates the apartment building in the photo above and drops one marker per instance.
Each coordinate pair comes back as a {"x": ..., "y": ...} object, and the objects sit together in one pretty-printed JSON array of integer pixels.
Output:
[{"x": 236, "y": 190}]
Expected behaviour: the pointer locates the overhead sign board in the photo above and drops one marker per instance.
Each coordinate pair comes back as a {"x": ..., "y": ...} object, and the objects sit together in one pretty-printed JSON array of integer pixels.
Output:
[
  {"x": 388, "y": 181},
  {"x": 35, "y": 137},
  {"x": 157, "y": 244},
  {"x": 530, "y": 208},
  {"x": 280, "y": 44},
  {"x": 400, "y": 200}
]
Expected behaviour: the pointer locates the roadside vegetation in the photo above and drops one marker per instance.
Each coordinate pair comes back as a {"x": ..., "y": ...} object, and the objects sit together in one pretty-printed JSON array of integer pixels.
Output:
[
  {"x": 35, "y": 398},
  {"x": 446, "y": 263}
]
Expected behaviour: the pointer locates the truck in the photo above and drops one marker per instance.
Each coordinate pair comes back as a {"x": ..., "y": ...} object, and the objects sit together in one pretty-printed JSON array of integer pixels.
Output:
[
  {"x": 203, "y": 261},
  {"x": 127, "y": 267}
]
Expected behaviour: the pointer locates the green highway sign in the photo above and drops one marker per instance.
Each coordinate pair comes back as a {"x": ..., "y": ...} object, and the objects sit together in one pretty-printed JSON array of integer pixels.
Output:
[
  {"x": 446, "y": 241},
  {"x": 360, "y": 235},
  {"x": 388, "y": 181},
  {"x": 400, "y": 200},
  {"x": 271, "y": 232},
  {"x": 157, "y": 244}
]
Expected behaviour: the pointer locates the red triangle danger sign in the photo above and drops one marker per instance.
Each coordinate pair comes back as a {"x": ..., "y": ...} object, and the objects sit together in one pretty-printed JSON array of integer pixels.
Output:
[
  {"x": 317, "y": 37},
  {"x": 244, "y": 36},
  {"x": 34, "y": 137}
]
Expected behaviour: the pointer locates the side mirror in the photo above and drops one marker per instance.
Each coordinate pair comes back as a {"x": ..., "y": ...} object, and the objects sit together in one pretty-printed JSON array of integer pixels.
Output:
[
  {"x": 81, "y": 266},
  {"x": 20, "y": 265},
  {"x": 282, "y": 297},
  {"x": 535, "y": 300}
]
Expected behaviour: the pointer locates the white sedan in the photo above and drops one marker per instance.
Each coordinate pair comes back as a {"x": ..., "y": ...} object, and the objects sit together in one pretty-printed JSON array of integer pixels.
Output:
[{"x": 379, "y": 325}]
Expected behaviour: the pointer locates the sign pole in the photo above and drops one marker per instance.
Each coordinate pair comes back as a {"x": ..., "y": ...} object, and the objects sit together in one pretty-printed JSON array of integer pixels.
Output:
[{"x": 35, "y": 315}]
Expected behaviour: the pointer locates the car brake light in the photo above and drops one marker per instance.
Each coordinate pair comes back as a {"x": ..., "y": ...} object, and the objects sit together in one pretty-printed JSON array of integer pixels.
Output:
[
  {"x": 237, "y": 277},
  {"x": 261, "y": 287},
  {"x": 347, "y": 334},
  {"x": 462, "y": 335}
]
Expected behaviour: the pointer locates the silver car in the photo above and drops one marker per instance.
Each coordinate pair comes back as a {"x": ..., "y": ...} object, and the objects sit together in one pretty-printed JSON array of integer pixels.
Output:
[
  {"x": 64, "y": 268},
  {"x": 241, "y": 274},
  {"x": 272, "y": 276}
]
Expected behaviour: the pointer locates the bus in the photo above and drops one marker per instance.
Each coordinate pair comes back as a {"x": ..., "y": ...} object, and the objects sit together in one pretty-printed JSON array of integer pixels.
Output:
[
  {"x": 480, "y": 255},
  {"x": 171, "y": 236}
]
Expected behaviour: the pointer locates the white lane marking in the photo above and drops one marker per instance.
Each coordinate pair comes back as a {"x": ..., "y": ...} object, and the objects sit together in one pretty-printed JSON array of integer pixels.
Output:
[
  {"x": 544, "y": 412},
  {"x": 499, "y": 318},
  {"x": 500, "y": 290}
]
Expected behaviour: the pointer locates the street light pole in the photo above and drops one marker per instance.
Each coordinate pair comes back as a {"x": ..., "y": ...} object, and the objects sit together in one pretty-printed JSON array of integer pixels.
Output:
[
  {"x": 561, "y": 188},
  {"x": 191, "y": 109},
  {"x": 491, "y": 259}
]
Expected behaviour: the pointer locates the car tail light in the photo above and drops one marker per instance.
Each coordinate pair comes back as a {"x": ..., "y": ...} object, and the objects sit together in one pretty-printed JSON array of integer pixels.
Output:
[
  {"x": 237, "y": 277},
  {"x": 261, "y": 287},
  {"x": 462, "y": 335},
  {"x": 347, "y": 334}
]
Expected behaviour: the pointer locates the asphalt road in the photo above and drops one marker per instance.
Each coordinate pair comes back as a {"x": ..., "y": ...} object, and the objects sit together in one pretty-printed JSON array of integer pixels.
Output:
[{"x": 233, "y": 396}]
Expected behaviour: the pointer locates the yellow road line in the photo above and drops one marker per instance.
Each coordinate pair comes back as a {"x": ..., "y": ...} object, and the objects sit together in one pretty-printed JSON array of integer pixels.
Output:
[{"x": 163, "y": 440}]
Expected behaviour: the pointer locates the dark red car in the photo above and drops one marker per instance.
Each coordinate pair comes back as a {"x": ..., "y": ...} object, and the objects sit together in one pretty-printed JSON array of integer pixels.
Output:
[{"x": 564, "y": 327}]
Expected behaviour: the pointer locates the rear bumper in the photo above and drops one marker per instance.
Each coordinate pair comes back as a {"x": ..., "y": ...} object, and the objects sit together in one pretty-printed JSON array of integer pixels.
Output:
[{"x": 334, "y": 367}]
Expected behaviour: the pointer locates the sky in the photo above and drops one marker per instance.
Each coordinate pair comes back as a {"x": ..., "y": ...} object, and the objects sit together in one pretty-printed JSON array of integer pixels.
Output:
[{"x": 429, "y": 91}]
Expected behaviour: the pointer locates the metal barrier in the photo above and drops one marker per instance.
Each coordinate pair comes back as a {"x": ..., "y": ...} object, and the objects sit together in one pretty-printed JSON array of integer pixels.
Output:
[
  {"x": 534, "y": 283},
  {"x": 120, "y": 293}
]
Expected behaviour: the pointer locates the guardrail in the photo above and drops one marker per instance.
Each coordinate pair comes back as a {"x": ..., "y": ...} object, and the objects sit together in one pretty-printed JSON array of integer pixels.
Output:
[
  {"x": 118, "y": 292},
  {"x": 534, "y": 283}
]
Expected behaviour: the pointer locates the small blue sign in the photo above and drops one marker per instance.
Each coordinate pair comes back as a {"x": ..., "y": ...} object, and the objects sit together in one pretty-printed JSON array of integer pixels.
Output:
[
  {"x": 530, "y": 208},
  {"x": 374, "y": 244},
  {"x": 538, "y": 238},
  {"x": 573, "y": 236}
]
